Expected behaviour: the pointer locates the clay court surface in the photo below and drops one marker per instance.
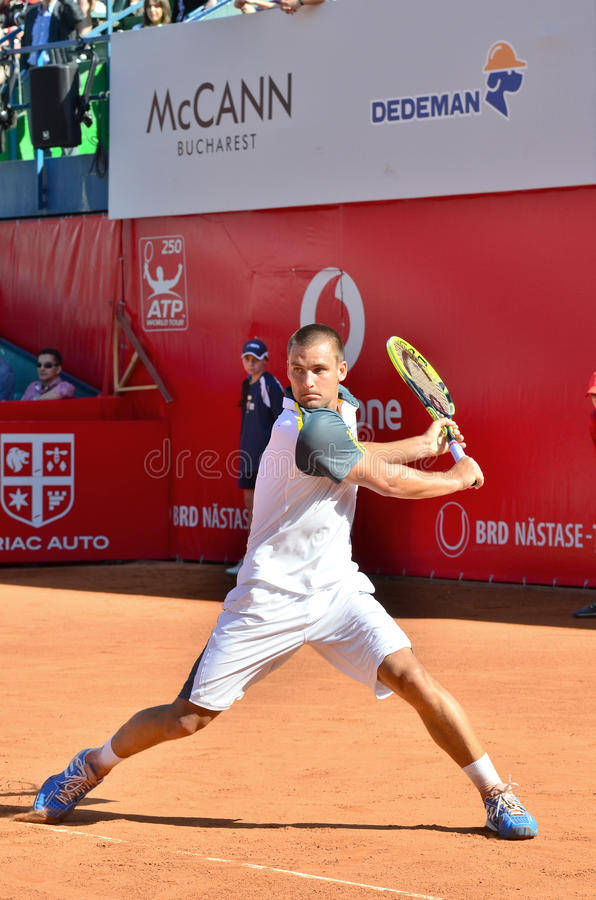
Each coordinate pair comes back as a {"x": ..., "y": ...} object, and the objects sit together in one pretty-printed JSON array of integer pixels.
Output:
[{"x": 309, "y": 775}]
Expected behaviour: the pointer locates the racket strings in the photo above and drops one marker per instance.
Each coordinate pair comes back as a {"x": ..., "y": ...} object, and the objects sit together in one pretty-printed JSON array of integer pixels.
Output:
[{"x": 424, "y": 383}]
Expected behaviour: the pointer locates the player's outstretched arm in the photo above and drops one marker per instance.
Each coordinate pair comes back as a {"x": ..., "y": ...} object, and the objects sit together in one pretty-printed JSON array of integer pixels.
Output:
[
  {"x": 432, "y": 443},
  {"x": 389, "y": 479}
]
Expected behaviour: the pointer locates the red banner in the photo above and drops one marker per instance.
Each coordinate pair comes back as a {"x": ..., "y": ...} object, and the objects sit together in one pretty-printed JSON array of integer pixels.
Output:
[
  {"x": 80, "y": 490},
  {"x": 496, "y": 290}
]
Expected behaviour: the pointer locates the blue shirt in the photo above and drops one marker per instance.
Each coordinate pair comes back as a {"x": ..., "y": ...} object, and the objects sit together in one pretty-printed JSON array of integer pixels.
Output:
[
  {"x": 41, "y": 33},
  {"x": 262, "y": 402}
]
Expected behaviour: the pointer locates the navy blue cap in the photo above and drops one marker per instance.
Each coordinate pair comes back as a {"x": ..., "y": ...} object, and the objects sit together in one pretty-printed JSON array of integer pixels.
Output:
[{"x": 256, "y": 348}]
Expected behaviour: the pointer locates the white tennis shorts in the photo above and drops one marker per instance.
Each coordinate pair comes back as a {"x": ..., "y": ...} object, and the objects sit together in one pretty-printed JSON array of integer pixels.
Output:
[{"x": 258, "y": 630}]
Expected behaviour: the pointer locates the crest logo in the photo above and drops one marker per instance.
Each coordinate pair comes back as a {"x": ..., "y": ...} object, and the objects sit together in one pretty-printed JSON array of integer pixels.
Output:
[
  {"x": 37, "y": 477},
  {"x": 504, "y": 76}
]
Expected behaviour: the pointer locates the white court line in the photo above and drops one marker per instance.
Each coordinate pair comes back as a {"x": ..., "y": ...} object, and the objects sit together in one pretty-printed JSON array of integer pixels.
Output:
[
  {"x": 370, "y": 887},
  {"x": 71, "y": 831},
  {"x": 244, "y": 865}
]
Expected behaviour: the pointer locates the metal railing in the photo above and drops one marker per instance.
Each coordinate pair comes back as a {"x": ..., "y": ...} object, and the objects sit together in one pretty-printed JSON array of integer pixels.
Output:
[
  {"x": 15, "y": 104},
  {"x": 100, "y": 34}
]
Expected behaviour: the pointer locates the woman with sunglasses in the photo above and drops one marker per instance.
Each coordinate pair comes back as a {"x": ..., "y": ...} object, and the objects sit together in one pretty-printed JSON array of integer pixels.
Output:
[{"x": 49, "y": 384}]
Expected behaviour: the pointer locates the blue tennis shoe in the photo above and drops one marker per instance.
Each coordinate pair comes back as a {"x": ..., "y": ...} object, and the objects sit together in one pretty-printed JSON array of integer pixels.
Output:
[
  {"x": 59, "y": 794},
  {"x": 586, "y": 612},
  {"x": 507, "y": 817}
]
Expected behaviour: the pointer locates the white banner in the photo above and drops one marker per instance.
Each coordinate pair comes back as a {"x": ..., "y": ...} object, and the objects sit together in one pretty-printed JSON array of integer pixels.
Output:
[{"x": 352, "y": 101}]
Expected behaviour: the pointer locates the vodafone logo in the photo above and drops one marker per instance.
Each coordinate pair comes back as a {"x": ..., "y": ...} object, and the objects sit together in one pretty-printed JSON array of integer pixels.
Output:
[
  {"x": 345, "y": 291},
  {"x": 452, "y": 529}
]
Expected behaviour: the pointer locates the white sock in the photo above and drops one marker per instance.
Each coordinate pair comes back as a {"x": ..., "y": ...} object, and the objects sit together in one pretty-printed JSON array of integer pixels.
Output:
[
  {"x": 107, "y": 757},
  {"x": 482, "y": 773}
]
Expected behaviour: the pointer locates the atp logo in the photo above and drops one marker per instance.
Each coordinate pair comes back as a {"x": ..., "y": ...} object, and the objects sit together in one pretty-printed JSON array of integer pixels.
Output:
[
  {"x": 452, "y": 529},
  {"x": 346, "y": 291},
  {"x": 504, "y": 76},
  {"x": 164, "y": 296}
]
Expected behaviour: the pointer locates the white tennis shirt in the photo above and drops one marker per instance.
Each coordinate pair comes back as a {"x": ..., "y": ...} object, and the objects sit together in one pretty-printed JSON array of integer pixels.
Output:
[{"x": 299, "y": 541}]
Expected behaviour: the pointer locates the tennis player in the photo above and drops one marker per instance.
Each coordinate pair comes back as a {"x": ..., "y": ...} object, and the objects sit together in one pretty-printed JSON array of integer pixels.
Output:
[{"x": 298, "y": 585}]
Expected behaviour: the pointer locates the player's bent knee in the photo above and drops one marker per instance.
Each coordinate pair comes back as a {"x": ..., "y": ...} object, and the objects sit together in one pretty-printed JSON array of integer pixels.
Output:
[
  {"x": 405, "y": 675},
  {"x": 186, "y": 718}
]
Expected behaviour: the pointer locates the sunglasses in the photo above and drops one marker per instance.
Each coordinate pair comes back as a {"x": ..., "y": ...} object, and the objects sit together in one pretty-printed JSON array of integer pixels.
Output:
[{"x": 46, "y": 365}]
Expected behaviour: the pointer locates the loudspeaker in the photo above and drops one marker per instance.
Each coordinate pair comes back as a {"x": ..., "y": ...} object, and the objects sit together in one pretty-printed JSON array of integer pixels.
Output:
[{"x": 54, "y": 106}]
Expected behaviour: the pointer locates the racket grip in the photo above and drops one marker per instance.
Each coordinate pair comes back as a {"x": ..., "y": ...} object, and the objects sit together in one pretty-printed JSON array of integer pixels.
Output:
[{"x": 456, "y": 450}]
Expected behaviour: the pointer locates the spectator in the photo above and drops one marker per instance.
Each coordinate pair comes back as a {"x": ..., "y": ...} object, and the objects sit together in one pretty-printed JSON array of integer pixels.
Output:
[
  {"x": 156, "y": 13},
  {"x": 254, "y": 5},
  {"x": 94, "y": 11},
  {"x": 11, "y": 13},
  {"x": 7, "y": 380},
  {"x": 186, "y": 7},
  {"x": 288, "y": 6},
  {"x": 292, "y": 6},
  {"x": 10, "y": 21},
  {"x": 3, "y": 67},
  {"x": 49, "y": 386},
  {"x": 52, "y": 20},
  {"x": 261, "y": 404}
]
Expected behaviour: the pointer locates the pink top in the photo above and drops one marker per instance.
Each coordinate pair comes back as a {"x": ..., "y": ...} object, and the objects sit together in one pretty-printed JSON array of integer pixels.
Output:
[{"x": 61, "y": 390}]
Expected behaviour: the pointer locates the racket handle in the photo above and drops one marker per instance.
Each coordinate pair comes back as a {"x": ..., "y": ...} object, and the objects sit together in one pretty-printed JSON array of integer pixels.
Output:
[{"x": 456, "y": 450}]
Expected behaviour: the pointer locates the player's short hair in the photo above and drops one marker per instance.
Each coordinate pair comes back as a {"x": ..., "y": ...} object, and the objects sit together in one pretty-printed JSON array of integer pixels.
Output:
[
  {"x": 312, "y": 334},
  {"x": 50, "y": 351}
]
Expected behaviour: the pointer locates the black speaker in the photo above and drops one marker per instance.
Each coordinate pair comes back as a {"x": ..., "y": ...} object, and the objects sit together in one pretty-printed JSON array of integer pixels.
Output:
[{"x": 54, "y": 106}]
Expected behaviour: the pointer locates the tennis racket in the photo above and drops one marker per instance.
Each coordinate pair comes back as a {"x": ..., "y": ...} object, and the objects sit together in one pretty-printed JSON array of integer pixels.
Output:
[{"x": 426, "y": 383}]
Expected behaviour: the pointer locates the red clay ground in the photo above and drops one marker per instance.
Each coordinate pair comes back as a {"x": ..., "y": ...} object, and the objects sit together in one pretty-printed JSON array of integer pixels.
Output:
[{"x": 308, "y": 774}]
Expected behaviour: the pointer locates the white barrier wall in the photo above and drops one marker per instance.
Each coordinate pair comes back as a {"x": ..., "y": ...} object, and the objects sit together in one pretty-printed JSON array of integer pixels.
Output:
[{"x": 352, "y": 101}]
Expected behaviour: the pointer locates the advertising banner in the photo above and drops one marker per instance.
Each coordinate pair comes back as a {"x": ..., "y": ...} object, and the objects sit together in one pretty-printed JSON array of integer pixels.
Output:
[
  {"x": 350, "y": 101},
  {"x": 497, "y": 291},
  {"x": 79, "y": 490},
  {"x": 489, "y": 288}
]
